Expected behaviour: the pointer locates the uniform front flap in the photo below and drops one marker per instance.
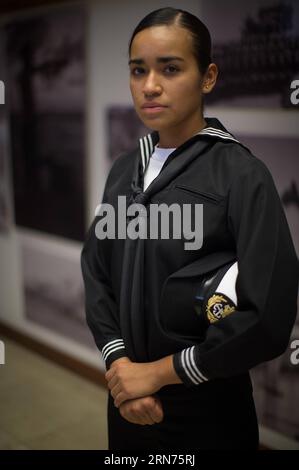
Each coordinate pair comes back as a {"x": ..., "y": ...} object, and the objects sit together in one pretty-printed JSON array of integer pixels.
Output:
[{"x": 177, "y": 301}]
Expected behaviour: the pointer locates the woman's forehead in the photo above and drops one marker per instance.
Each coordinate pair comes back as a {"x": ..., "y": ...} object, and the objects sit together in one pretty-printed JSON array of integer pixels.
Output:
[{"x": 162, "y": 41}]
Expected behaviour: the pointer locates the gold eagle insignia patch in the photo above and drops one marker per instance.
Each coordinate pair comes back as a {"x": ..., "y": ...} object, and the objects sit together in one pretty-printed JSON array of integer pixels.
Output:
[{"x": 218, "y": 307}]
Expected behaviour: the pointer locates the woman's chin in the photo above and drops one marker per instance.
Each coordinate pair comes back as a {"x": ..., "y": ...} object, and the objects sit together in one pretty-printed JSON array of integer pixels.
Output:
[{"x": 155, "y": 124}]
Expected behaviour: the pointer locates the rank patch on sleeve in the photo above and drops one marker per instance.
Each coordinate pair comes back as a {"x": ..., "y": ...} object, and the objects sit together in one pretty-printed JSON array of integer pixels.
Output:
[{"x": 218, "y": 307}]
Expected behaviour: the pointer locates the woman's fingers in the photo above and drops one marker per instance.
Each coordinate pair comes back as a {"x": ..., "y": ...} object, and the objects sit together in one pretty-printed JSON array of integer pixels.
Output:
[
  {"x": 138, "y": 418},
  {"x": 147, "y": 419},
  {"x": 141, "y": 411},
  {"x": 132, "y": 414},
  {"x": 145, "y": 410},
  {"x": 156, "y": 410}
]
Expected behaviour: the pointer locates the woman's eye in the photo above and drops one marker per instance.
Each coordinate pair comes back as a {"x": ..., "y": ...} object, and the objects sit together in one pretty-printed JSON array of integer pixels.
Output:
[
  {"x": 137, "y": 71},
  {"x": 171, "y": 69}
]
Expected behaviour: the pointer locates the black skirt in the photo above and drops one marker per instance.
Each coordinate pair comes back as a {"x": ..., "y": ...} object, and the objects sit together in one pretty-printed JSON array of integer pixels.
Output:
[{"x": 216, "y": 415}]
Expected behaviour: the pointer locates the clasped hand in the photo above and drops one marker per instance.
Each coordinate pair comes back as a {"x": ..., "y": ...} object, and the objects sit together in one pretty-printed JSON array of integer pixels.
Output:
[
  {"x": 128, "y": 380},
  {"x": 131, "y": 388}
]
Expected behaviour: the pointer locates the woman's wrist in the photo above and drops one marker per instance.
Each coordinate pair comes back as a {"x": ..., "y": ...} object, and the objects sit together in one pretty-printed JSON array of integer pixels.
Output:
[
  {"x": 120, "y": 359},
  {"x": 164, "y": 372}
]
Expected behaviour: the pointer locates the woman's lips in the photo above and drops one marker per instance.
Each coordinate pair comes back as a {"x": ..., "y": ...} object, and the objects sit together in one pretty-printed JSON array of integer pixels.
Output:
[{"x": 153, "y": 109}]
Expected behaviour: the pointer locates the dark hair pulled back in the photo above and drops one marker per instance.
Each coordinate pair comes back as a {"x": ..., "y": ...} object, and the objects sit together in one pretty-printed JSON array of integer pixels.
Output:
[{"x": 202, "y": 44}]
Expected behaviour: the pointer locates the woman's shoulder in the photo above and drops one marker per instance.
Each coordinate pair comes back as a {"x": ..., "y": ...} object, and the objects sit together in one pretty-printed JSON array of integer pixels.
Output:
[
  {"x": 229, "y": 153},
  {"x": 240, "y": 160}
]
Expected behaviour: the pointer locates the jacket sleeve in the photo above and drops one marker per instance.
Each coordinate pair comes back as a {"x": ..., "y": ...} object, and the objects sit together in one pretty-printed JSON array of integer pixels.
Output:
[
  {"x": 100, "y": 305},
  {"x": 266, "y": 286}
]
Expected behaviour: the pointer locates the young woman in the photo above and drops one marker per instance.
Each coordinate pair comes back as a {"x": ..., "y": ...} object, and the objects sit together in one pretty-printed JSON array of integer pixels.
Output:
[{"x": 176, "y": 381}]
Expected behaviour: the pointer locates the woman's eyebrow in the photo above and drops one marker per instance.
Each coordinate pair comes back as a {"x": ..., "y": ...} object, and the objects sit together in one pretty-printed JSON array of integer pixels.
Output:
[{"x": 159, "y": 60}]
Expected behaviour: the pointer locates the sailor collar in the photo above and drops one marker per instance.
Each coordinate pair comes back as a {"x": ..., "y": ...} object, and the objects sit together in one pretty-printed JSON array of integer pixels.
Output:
[{"x": 214, "y": 130}]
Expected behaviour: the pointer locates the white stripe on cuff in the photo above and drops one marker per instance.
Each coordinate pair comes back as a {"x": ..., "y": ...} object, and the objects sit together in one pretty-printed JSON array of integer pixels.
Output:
[
  {"x": 112, "y": 350},
  {"x": 183, "y": 353},
  {"x": 111, "y": 347},
  {"x": 107, "y": 345},
  {"x": 192, "y": 352},
  {"x": 190, "y": 368}
]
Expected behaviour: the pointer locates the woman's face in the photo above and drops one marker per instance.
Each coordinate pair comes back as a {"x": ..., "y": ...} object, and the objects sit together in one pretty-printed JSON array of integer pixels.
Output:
[{"x": 165, "y": 80}]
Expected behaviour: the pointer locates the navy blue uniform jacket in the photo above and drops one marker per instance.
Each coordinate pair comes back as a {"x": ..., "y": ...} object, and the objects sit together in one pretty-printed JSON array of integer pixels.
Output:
[{"x": 140, "y": 293}]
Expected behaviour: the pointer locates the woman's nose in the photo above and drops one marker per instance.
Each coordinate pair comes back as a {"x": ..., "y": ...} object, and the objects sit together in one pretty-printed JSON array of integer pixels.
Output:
[{"x": 151, "y": 84}]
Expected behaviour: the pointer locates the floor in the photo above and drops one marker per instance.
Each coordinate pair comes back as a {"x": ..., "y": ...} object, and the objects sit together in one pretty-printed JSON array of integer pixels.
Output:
[{"x": 44, "y": 406}]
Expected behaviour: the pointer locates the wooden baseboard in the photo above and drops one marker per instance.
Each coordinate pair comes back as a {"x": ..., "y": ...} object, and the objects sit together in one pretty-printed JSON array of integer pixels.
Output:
[{"x": 81, "y": 368}]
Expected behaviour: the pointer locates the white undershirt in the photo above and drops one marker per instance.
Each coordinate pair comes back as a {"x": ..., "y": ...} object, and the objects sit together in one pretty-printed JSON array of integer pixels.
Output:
[{"x": 156, "y": 162}]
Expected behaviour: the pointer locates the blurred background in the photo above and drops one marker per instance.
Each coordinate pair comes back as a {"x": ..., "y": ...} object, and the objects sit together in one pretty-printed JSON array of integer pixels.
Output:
[{"x": 65, "y": 114}]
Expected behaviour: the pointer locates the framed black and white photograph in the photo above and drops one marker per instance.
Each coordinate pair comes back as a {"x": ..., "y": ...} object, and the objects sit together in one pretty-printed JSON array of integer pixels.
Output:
[
  {"x": 53, "y": 289},
  {"x": 256, "y": 48},
  {"x": 124, "y": 128},
  {"x": 46, "y": 94},
  {"x": 280, "y": 154},
  {"x": 276, "y": 383},
  {"x": 5, "y": 193}
]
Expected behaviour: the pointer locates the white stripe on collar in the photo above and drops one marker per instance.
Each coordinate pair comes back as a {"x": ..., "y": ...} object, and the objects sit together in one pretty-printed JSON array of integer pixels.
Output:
[
  {"x": 217, "y": 133},
  {"x": 147, "y": 147},
  {"x": 141, "y": 145}
]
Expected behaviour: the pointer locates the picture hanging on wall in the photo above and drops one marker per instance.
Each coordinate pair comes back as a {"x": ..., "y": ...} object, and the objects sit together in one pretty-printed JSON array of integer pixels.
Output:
[
  {"x": 5, "y": 203},
  {"x": 124, "y": 128},
  {"x": 255, "y": 46},
  {"x": 54, "y": 297},
  {"x": 276, "y": 383},
  {"x": 46, "y": 93}
]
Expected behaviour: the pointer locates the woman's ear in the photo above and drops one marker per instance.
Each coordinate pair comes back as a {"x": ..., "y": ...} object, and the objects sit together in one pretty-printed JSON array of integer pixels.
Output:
[{"x": 210, "y": 78}]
